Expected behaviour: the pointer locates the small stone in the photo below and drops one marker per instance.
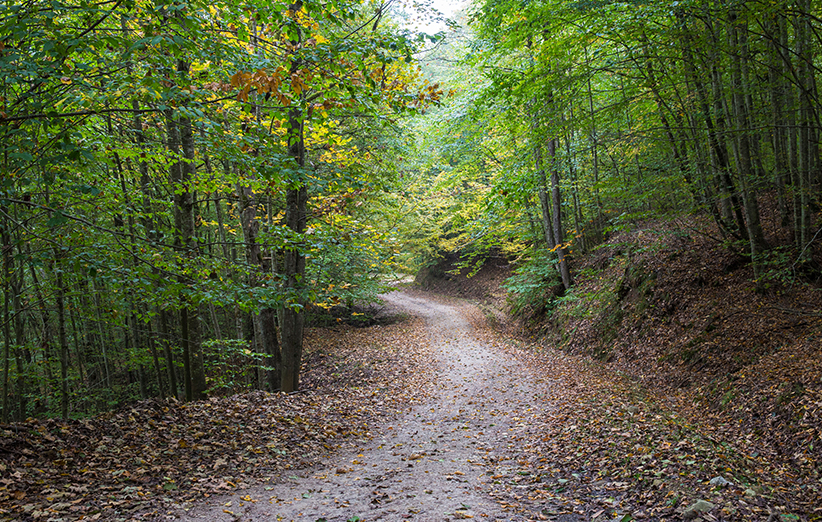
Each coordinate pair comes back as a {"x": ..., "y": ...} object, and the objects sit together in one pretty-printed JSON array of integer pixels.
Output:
[
  {"x": 696, "y": 509},
  {"x": 719, "y": 482}
]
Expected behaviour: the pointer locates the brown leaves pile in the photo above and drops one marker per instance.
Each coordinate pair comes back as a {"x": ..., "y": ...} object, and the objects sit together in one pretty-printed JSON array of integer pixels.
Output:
[
  {"x": 598, "y": 448},
  {"x": 702, "y": 377},
  {"x": 134, "y": 462}
]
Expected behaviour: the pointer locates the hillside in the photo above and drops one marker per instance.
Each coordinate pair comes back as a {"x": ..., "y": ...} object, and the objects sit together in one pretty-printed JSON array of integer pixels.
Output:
[
  {"x": 671, "y": 309},
  {"x": 637, "y": 414}
]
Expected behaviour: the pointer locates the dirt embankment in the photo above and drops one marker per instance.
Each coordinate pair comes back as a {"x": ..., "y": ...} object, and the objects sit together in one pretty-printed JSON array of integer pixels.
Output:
[{"x": 673, "y": 309}]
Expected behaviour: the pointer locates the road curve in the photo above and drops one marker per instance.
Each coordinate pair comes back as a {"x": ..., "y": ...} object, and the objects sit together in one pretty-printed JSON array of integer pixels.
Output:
[{"x": 427, "y": 465}]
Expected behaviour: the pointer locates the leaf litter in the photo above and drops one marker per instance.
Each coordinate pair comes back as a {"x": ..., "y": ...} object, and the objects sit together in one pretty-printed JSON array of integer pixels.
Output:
[
  {"x": 426, "y": 464},
  {"x": 601, "y": 449},
  {"x": 585, "y": 441},
  {"x": 710, "y": 394},
  {"x": 137, "y": 461}
]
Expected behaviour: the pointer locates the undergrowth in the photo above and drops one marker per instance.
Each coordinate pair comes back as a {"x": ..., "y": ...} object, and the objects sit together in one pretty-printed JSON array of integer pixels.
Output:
[{"x": 531, "y": 289}]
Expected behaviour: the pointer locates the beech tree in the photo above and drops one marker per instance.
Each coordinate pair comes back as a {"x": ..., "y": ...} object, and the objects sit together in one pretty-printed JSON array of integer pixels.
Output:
[
  {"x": 616, "y": 115},
  {"x": 163, "y": 187}
]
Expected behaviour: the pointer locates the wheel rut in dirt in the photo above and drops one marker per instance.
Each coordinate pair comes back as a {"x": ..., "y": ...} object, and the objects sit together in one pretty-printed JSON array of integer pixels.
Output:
[{"x": 429, "y": 464}]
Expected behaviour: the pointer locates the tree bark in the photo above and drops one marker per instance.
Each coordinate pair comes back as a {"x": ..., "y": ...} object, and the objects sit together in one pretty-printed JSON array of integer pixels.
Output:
[
  {"x": 559, "y": 233},
  {"x": 264, "y": 321},
  {"x": 806, "y": 143},
  {"x": 737, "y": 34},
  {"x": 5, "y": 239},
  {"x": 594, "y": 138},
  {"x": 169, "y": 355},
  {"x": 296, "y": 200},
  {"x": 732, "y": 206},
  {"x": 544, "y": 203},
  {"x": 181, "y": 141},
  {"x": 775, "y": 26},
  {"x": 61, "y": 335}
]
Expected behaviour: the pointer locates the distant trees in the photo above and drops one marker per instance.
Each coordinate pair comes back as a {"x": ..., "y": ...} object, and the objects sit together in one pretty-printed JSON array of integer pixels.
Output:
[{"x": 166, "y": 169}]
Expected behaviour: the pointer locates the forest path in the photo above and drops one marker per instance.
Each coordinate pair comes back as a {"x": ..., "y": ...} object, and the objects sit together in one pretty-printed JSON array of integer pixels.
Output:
[{"x": 430, "y": 464}]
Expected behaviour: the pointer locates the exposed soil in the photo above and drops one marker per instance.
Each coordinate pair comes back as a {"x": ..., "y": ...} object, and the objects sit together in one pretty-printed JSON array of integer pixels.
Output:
[{"x": 482, "y": 285}]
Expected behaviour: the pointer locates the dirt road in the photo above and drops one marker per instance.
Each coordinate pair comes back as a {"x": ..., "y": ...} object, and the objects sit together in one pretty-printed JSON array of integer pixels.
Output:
[{"x": 429, "y": 465}]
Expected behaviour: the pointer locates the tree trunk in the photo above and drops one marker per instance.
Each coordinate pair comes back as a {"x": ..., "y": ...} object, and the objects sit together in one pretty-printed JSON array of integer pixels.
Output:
[
  {"x": 5, "y": 239},
  {"x": 559, "y": 233},
  {"x": 61, "y": 335},
  {"x": 806, "y": 134},
  {"x": 296, "y": 200},
  {"x": 20, "y": 336},
  {"x": 716, "y": 133},
  {"x": 293, "y": 315},
  {"x": 264, "y": 322},
  {"x": 100, "y": 337},
  {"x": 594, "y": 138},
  {"x": 737, "y": 34},
  {"x": 183, "y": 172},
  {"x": 775, "y": 27},
  {"x": 169, "y": 355},
  {"x": 544, "y": 203}
]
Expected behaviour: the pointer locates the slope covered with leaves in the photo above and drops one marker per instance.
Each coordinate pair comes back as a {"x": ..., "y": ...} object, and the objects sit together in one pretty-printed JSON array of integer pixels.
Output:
[
  {"x": 137, "y": 462},
  {"x": 674, "y": 370},
  {"x": 669, "y": 306}
]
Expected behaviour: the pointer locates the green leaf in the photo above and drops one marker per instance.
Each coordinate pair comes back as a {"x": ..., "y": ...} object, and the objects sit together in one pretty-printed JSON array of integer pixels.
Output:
[{"x": 57, "y": 219}]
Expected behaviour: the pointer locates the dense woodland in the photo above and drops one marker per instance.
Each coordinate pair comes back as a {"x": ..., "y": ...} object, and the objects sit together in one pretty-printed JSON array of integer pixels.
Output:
[
  {"x": 592, "y": 116},
  {"x": 168, "y": 168},
  {"x": 184, "y": 182}
]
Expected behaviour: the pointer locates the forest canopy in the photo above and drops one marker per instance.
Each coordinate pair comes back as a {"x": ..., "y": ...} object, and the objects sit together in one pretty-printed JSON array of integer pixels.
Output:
[
  {"x": 183, "y": 181},
  {"x": 167, "y": 169}
]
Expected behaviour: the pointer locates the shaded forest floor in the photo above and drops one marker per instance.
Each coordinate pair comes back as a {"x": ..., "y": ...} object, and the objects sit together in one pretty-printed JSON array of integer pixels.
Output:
[
  {"x": 692, "y": 374},
  {"x": 676, "y": 383},
  {"x": 146, "y": 460}
]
